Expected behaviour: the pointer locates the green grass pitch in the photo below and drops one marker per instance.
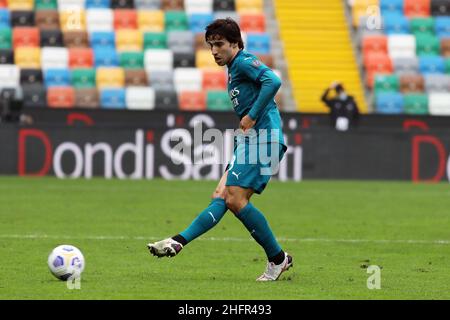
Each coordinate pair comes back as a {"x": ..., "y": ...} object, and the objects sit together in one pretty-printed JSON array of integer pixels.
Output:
[{"x": 333, "y": 229}]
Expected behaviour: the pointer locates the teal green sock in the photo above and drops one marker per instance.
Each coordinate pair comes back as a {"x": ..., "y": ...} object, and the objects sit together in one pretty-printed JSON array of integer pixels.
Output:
[
  {"x": 257, "y": 225},
  {"x": 207, "y": 219}
]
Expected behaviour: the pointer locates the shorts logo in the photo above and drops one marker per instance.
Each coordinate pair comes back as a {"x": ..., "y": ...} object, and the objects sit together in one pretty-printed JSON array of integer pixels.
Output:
[{"x": 236, "y": 174}]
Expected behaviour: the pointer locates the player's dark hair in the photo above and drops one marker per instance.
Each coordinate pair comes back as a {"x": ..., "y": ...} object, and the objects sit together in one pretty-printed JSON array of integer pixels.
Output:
[
  {"x": 227, "y": 29},
  {"x": 339, "y": 88}
]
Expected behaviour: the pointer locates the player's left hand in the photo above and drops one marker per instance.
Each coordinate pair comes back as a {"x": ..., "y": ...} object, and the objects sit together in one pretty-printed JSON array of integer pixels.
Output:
[{"x": 246, "y": 123}]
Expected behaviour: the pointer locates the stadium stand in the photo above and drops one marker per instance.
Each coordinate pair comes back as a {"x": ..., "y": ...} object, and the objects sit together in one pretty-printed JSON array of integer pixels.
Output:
[
  {"x": 121, "y": 54},
  {"x": 406, "y": 56}
]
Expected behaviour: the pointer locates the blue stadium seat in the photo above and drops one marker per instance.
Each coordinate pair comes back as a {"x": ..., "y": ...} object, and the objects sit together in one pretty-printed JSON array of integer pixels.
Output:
[
  {"x": 258, "y": 43},
  {"x": 91, "y": 4},
  {"x": 431, "y": 64},
  {"x": 391, "y": 6},
  {"x": 57, "y": 78},
  {"x": 105, "y": 57},
  {"x": 112, "y": 98},
  {"x": 442, "y": 27},
  {"x": 103, "y": 39},
  {"x": 4, "y": 18},
  {"x": 395, "y": 23},
  {"x": 389, "y": 102},
  {"x": 199, "y": 21}
]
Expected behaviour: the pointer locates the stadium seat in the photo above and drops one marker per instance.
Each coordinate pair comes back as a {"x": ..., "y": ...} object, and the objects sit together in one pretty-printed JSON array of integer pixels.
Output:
[
  {"x": 46, "y": 5},
  {"x": 437, "y": 83},
  {"x": 417, "y": 8},
  {"x": 20, "y": 5},
  {"x": 188, "y": 79},
  {"x": 389, "y": 103},
  {"x": 22, "y": 18},
  {"x": 442, "y": 27},
  {"x": 386, "y": 83},
  {"x": 378, "y": 62},
  {"x": 218, "y": 101},
  {"x": 184, "y": 60},
  {"x": 99, "y": 20},
  {"x": 47, "y": 19},
  {"x": 198, "y": 6},
  {"x": 66, "y": 5},
  {"x": 440, "y": 7},
  {"x": 415, "y": 104},
  {"x": 151, "y": 20},
  {"x": 445, "y": 47},
  {"x": 140, "y": 98},
  {"x": 147, "y": 4},
  {"x": 9, "y": 76},
  {"x": 161, "y": 80},
  {"x": 72, "y": 20},
  {"x": 374, "y": 43},
  {"x": 431, "y": 64},
  {"x": 158, "y": 59},
  {"x": 172, "y": 5},
  {"x": 76, "y": 39},
  {"x": 428, "y": 45},
  {"x": 5, "y": 18},
  {"x": 391, "y": 7},
  {"x": 200, "y": 43},
  {"x": 155, "y": 40},
  {"x": 103, "y": 40},
  {"x": 406, "y": 65},
  {"x": 81, "y": 58},
  {"x": 122, "y": 4},
  {"x": 166, "y": 100},
  {"x": 51, "y": 38},
  {"x": 112, "y": 98},
  {"x": 395, "y": 24},
  {"x": 135, "y": 77},
  {"x": 255, "y": 22},
  {"x": 83, "y": 78},
  {"x": 447, "y": 66},
  {"x": 401, "y": 45},
  {"x": 129, "y": 40},
  {"x": 28, "y": 57},
  {"x": 175, "y": 20},
  {"x": 97, "y": 4},
  {"x": 205, "y": 60},
  {"x": 258, "y": 43},
  {"x": 214, "y": 80},
  {"x": 132, "y": 60},
  {"x": 56, "y": 78},
  {"x": 31, "y": 77},
  {"x": 410, "y": 83},
  {"x": 422, "y": 26},
  {"x": 245, "y": 6},
  {"x": 34, "y": 96},
  {"x": 227, "y": 14},
  {"x": 199, "y": 21},
  {"x": 5, "y": 38},
  {"x": 267, "y": 59},
  {"x": 86, "y": 98},
  {"x": 105, "y": 57},
  {"x": 180, "y": 41},
  {"x": 6, "y": 56},
  {"x": 192, "y": 100},
  {"x": 224, "y": 5},
  {"x": 110, "y": 77},
  {"x": 125, "y": 19},
  {"x": 439, "y": 104},
  {"x": 61, "y": 97},
  {"x": 26, "y": 37},
  {"x": 54, "y": 58}
]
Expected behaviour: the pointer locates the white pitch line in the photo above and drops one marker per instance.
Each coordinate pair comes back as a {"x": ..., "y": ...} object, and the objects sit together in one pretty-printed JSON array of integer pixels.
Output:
[{"x": 44, "y": 236}]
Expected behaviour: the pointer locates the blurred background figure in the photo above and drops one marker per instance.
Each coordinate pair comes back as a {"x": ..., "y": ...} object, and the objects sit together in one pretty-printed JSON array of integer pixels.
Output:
[{"x": 344, "y": 112}]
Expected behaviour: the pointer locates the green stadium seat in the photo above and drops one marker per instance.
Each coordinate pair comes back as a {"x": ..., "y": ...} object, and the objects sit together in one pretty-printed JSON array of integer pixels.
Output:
[
  {"x": 132, "y": 60},
  {"x": 387, "y": 83},
  {"x": 218, "y": 101},
  {"x": 83, "y": 78},
  {"x": 45, "y": 5},
  {"x": 427, "y": 45},
  {"x": 5, "y": 38},
  {"x": 176, "y": 20},
  {"x": 422, "y": 26},
  {"x": 155, "y": 40},
  {"x": 416, "y": 104},
  {"x": 447, "y": 66}
]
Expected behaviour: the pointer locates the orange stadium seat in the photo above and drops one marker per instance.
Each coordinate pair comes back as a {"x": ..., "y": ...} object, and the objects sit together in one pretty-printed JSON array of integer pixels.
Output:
[
  {"x": 26, "y": 37},
  {"x": 253, "y": 22},
  {"x": 193, "y": 100},
  {"x": 3, "y": 4},
  {"x": 417, "y": 8},
  {"x": 125, "y": 19},
  {"x": 214, "y": 80},
  {"x": 375, "y": 43},
  {"x": 267, "y": 59},
  {"x": 81, "y": 58},
  {"x": 60, "y": 97},
  {"x": 376, "y": 63}
]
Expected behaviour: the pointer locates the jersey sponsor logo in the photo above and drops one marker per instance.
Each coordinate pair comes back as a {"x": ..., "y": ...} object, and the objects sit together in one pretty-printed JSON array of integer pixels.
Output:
[{"x": 233, "y": 95}]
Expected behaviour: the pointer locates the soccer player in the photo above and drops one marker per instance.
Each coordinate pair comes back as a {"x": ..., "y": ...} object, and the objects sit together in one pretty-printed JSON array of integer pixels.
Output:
[{"x": 252, "y": 87}]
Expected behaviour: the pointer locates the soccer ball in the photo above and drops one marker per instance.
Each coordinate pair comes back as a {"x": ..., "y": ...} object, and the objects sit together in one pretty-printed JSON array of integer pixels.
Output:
[{"x": 66, "y": 261}]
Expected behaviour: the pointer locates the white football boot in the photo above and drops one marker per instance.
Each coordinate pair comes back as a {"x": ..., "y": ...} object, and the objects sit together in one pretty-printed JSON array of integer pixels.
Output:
[
  {"x": 165, "y": 248},
  {"x": 273, "y": 271}
]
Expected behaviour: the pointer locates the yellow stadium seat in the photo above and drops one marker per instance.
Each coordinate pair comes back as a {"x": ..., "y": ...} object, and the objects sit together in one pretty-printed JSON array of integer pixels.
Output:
[
  {"x": 246, "y": 6},
  {"x": 20, "y": 4},
  {"x": 151, "y": 20},
  {"x": 73, "y": 20},
  {"x": 28, "y": 57},
  {"x": 129, "y": 40},
  {"x": 365, "y": 3},
  {"x": 205, "y": 60},
  {"x": 110, "y": 77}
]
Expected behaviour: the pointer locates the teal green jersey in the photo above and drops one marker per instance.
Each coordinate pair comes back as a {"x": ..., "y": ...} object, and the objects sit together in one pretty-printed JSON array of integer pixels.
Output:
[{"x": 252, "y": 87}]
